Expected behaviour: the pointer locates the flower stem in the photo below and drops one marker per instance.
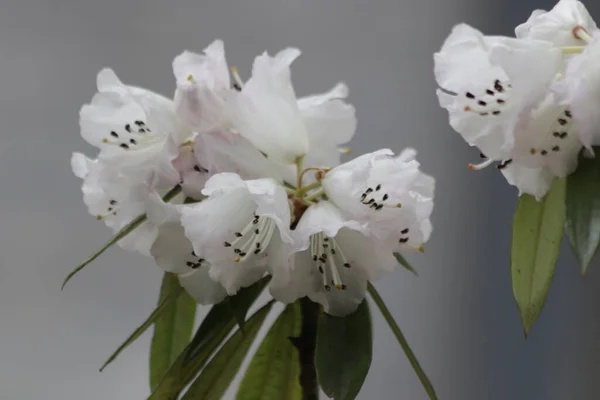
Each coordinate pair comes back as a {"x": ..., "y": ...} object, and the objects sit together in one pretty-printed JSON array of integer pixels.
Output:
[
  {"x": 299, "y": 168},
  {"x": 402, "y": 340},
  {"x": 306, "y": 344},
  {"x": 308, "y": 188},
  {"x": 572, "y": 49},
  {"x": 313, "y": 196},
  {"x": 172, "y": 193}
]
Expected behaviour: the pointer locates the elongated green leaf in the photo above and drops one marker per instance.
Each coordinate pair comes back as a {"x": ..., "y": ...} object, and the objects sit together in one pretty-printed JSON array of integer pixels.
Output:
[
  {"x": 120, "y": 235},
  {"x": 410, "y": 355},
  {"x": 126, "y": 230},
  {"x": 162, "y": 306},
  {"x": 274, "y": 372},
  {"x": 405, "y": 263},
  {"x": 172, "y": 329},
  {"x": 215, "y": 327},
  {"x": 233, "y": 307},
  {"x": 216, "y": 377},
  {"x": 344, "y": 352},
  {"x": 536, "y": 237},
  {"x": 582, "y": 214}
]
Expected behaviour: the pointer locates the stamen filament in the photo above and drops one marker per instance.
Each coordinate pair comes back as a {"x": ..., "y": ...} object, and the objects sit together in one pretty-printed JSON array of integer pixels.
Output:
[
  {"x": 480, "y": 166},
  {"x": 572, "y": 49}
]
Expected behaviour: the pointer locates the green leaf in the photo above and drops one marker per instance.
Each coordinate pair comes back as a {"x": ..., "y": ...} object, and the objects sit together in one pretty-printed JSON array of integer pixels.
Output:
[
  {"x": 232, "y": 308},
  {"x": 172, "y": 329},
  {"x": 126, "y": 230},
  {"x": 215, "y": 327},
  {"x": 582, "y": 214},
  {"x": 402, "y": 341},
  {"x": 120, "y": 235},
  {"x": 405, "y": 263},
  {"x": 216, "y": 377},
  {"x": 536, "y": 237},
  {"x": 344, "y": 352},
  {"x": 162, "y": 306},
  {"x": 274, "y": 372}
]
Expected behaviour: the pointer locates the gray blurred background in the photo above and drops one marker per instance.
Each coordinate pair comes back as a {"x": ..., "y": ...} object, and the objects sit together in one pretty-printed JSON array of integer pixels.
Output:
[{"x": 459, "y": 315}]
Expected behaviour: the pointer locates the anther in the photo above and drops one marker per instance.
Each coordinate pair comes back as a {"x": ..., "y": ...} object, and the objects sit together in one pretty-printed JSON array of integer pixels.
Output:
[
  {"x": 562, "y": 121},
  {"x": 470, "y": 95},
  {"x": 227, "y": 244},
  {"x": 238, "y": 234},
  {"x": 543, "y": 152},
  {"x": 124, "y": 145},
  {"x": 556, "y": 148},
  {"x": 404, "y": 231},
  {"x": 128, "y": 128},
  {"x": 403, "y": 240},
  {"x": 504, "y": 164},
  {"x": 114, "y": 134}
]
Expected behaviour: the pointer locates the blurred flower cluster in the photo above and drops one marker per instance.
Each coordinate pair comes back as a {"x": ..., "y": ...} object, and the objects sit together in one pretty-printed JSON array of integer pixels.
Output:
[
  {"x": 238, "y": 179},
  {"x": 530, "y": 102}
]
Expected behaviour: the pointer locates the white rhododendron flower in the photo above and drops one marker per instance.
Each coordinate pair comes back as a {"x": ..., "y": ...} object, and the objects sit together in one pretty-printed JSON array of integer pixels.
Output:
[
  {"x": 516, "y": 121},
  {"x": 174, "y": 253},
  {"x": 116, "y": 200},
  {"x": 202, "y": 80},
  {"x": 488, "y": 82},
  {"x": 267, "y": 112},
  {"x": 240, "y": 229},
  {"x": 386, "y": 194},
  {"x": 136, "y": 130},
  {"x": 335, "y": 261},
  {"x": 234, "y": 181},
  {"x": 558, "y": 25}
]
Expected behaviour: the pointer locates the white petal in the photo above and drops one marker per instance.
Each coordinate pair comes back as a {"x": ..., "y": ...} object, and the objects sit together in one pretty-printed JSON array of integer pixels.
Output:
[
  {"x": 226, "y": 152},
  {"x": 580, "y": 91},
  {"x": 202, "y": 287},
  {"x": 533, "y": 181},
  {"x": 117, "y": 200},
  {"x": 201, "y": 78},
  {"x": 80, "y": 165},
  {"x": 266, "y": 111},
  {"x": 546, "y": 138},
  {"x": 557, "y": 25},
  {"x": 330, "y": 123},
  {"x": 322, "y": 217}
]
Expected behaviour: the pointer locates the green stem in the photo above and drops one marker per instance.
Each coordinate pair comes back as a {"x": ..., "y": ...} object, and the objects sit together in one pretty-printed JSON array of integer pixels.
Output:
[
  {"x": 172, "y": 193},
  {"x": 308, "y": 188},
  {"x": 299, "y": 167},
  {"x": 402, "y": 340},
  {"x": 314, "y": 195}
]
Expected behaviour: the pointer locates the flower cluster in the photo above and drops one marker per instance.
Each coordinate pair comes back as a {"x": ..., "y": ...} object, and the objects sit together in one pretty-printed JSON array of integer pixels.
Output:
[
  {"x": 528, "y": 102},
  {"x": 239, "y": 180}
]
